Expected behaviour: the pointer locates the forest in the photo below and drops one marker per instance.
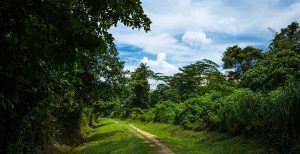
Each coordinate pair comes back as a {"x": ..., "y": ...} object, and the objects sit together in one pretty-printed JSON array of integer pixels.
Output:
[{"x": 60, "y": 71}]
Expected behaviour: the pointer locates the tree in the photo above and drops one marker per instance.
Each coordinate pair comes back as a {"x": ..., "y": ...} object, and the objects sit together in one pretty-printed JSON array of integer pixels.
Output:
[
  {"x": 188, "y": 83},
  {"x": 274, "y": 71},
  {"x": 281, "y": 63},
  {"x": 141, "y": 86},
  {"x": 164, "y": 92},
  {"x": 217, "y": 81},
  {"x": 57, "y": 59},
  {"x": 240, "y": 60},
  {"x": 287, "y": 39}
]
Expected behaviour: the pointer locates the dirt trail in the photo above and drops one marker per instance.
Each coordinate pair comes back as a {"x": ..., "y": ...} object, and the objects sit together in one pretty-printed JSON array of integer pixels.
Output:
[{"x": 150, "y": 139}]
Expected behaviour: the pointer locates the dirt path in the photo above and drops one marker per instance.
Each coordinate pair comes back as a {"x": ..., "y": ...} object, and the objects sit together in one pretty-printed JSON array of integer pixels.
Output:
[{"x": 150, "y": 139}]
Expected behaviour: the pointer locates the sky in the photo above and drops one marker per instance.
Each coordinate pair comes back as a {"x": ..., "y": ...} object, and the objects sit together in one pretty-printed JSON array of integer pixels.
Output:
[{"x": 185, "y": 31}]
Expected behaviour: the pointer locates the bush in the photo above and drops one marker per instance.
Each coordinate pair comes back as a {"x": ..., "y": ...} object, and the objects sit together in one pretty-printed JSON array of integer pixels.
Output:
[
  {"x": 164, "y": 112},
  {"x": 240, "y": 112},
  {"x": 136, "y": 114},
  {"x": 196, "y": 113},
  {"x": 282, "y": 116},
  {"x": 149, "y": 115},
  {"x": 120, "y": 113},
  {"x": 274, "y": 115}
]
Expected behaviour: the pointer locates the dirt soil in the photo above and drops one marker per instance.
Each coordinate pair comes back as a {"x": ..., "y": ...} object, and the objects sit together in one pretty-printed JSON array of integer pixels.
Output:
[{"x": 150, "y": 139}]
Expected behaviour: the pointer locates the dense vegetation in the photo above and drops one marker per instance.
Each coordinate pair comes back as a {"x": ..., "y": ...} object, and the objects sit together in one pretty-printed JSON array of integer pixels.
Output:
[
  {"x": 258, "y": 96},
  {"x": 60, "y": 68},
  {"x": 58, "y": 65}
]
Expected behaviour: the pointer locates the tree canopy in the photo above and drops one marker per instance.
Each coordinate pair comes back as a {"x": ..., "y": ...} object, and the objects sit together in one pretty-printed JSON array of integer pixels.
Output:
[
  {"x": 287, "y": 39},
  {"x": 240, "y": 59},
  {"x": 58, "y": 60},
  {"x": 140, "y": 86}
]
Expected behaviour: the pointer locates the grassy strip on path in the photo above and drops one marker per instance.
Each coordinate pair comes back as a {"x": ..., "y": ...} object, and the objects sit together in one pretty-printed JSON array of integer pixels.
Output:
[
  {"x": 113, "y": 137},
  {"x": 185, "y": 141}
]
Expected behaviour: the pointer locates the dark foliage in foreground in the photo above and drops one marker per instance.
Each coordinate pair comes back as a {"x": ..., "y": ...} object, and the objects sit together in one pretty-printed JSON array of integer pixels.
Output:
[{"x": 58, "y": 61}]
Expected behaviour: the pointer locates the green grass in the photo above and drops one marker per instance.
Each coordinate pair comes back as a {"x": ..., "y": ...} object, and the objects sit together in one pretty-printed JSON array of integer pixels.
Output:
[
  {"x": 185, "y": 141},
  {"x": 113, "y": 137}
]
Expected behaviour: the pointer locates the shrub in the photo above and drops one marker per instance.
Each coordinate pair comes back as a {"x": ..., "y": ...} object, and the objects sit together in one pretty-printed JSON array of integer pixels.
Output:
[
  {"x": 149, "y": 115},
  {"x": 164, "y": 112},
  {"x": 282, "y": 116},
  {"x": 136, "y": 114},
  {"x": 274, "y": 115},
  {"x": 196, "y": 113},
  {"x": 240, "y": 112}
]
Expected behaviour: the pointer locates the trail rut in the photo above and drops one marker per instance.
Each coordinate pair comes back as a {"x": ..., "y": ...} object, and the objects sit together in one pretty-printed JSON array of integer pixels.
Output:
[{"x": 150, "y": 139}]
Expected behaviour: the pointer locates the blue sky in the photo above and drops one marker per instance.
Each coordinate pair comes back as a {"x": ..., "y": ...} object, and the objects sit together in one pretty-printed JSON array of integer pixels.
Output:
[{"x": 184, "y": 31}]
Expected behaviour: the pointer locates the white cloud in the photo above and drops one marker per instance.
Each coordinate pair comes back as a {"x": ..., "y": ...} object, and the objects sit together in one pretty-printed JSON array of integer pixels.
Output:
[
  {"x": 150, "y": 42},
  {"x": 195, "y": 39},
  {"x": 226, "y": 16},
  {"x": 179, "y": 54},
  {"x": 160, "y": 65},
  {"x": 195, "y": 19},
  {"x": 280, "y": 19}
]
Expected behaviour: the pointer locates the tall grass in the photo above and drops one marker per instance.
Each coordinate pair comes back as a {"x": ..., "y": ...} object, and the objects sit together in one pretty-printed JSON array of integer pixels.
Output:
[{"x": 275, "y": 115}]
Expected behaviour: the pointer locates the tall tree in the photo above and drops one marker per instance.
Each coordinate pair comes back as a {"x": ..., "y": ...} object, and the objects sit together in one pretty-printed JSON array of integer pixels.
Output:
[
  {"x": 189, "y": 82},
  {"x": 274, "y": 71},
  {"x": 57, "y": 57},
  {"x": 140, "y": 86},
  {"x": 287, "y": 39},
  {"x": 240, "y": 60}
]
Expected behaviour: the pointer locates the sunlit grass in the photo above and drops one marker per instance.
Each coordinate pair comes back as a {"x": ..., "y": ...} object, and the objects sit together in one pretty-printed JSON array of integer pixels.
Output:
[
  {"x": 185, "y": 141},
  {"x": 113, "y": 137}
]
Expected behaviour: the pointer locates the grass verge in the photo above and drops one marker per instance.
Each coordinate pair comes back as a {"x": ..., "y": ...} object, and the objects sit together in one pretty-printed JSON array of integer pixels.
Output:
[
  {"x": 111, "y": 136},
  {"x": 186, "y": 141}
]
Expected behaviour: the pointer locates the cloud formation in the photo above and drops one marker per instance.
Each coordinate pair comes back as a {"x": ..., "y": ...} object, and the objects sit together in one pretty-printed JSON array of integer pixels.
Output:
[
  {"x": 190, "y": 30},
  {"x": 160, "y": 64},
  {"x": 195, "y": 39}
]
